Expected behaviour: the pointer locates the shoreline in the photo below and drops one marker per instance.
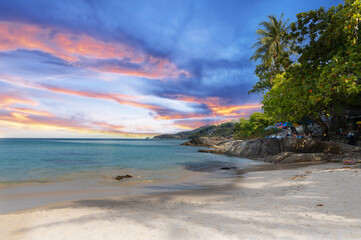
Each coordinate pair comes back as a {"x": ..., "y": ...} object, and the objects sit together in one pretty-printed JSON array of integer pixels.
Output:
[
  {"x": 27, "y": 196},
  {"x": 317, "y": 201},
  {"x": 16, "y": 197}
]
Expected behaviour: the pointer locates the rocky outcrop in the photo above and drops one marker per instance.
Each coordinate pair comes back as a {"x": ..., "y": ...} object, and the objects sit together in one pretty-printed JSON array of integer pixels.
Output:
[
  {"x": 290, "y": 157},
  {"x": 286, "y": 150},
  {"x": 253, "y": 149},
  {"x": 314, "y": 146},
  {"x": 206, "y": 141}
]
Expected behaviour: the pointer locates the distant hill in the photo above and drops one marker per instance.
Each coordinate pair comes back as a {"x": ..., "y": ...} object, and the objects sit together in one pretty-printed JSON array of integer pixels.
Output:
[{"x": 220, "y": 130}]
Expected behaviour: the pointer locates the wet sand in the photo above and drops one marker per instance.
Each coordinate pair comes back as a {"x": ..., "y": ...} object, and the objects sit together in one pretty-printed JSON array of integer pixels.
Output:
[{"x": 313, "y": 202}]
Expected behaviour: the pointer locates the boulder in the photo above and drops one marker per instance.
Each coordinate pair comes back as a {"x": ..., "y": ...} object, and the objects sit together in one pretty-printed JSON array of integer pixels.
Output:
[{"x": 258, "y": 148}]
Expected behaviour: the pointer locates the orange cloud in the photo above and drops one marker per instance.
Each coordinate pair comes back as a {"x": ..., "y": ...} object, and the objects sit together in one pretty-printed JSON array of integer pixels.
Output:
[
  {"x": 8, "y": 100},
  {"x": 167, "y": 116},
  {"x": 22, "y": 119},
  {"x": 32, "y": 111},
  {"x": 73, "y": 47},
  {"x": 192, "y": 124},
  {"x": 233, "y": 110},
  {"x": 217, "y": 106}
]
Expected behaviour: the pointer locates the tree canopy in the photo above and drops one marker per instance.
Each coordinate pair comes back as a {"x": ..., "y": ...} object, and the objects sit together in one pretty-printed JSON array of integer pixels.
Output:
[{"x": 326, "y": 77}]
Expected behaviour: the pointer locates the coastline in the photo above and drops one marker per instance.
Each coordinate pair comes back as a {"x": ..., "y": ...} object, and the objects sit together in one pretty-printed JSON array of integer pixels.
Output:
[
  {"x": 31, "y": 195},
  {"x": 317, "y": 201}
]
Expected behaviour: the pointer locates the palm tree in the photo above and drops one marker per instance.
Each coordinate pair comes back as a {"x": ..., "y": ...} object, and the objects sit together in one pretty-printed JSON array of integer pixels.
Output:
[{"x": 273, "y": 44}]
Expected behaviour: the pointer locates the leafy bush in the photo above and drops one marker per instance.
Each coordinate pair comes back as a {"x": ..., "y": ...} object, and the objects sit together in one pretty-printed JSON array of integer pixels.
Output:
[{"x": 253, "y": 127}]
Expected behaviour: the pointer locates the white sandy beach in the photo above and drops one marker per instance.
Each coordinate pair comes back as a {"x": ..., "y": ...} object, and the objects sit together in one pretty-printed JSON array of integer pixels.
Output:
[{"x": 314, "y": 202}]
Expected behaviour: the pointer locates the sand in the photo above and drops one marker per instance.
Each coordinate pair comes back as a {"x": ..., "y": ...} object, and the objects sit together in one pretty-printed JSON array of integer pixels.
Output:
[{"x": 314, "y": 202}]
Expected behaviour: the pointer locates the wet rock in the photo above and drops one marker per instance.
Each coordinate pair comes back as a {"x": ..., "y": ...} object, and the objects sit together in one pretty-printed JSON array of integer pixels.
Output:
[
  {"x": 210, "y": 151},
  {"x": 227, "y": 168},
  {"x": 120, "y": 177},
  {"x": 206, "y": 141}
]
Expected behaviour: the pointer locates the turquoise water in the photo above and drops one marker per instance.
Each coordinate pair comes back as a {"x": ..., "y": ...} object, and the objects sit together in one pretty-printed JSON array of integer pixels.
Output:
[
  {"x": 36, "y": 172},
  {"x": 26, "y": 160}
]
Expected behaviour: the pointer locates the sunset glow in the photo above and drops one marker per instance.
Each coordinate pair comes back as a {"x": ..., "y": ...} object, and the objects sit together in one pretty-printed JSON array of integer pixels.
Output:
[{"x": 68, "y": 69}]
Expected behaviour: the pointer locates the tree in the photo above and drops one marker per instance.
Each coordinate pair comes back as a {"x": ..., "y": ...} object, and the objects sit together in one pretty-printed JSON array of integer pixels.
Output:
[
  {"x": 327, "y": 75},
  {"x": 254, "y": 127},
  {"x": 273, "y": 49}
]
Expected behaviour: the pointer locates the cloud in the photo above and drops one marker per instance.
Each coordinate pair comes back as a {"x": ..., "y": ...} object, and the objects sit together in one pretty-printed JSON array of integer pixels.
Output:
[
  {"x": 134, "y": 101},
  {"x": 153, "y": 68},
  {"x": 33, "y": 120},
  {"x": 7, "y": 100},
  {"x": 76, "y": 49},
  {"x": 31, "y": 111},
  {"x": 219, "y": 106},
  {"x": 197, "y": 107},
  {"x": 188, "y": 124},
  {"x": 34, "y": 63}
]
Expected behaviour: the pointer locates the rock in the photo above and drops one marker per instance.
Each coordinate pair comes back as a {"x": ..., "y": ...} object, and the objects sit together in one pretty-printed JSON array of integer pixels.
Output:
[
  {"x": 349, "y": 162},
  {"x": 227, "y": 168},
  {"x": 215, "y": 151},
  {"x": 278, "y": 158},
  {"x": 286, "y": 150},
  {"x": 206, "y": 141},
  {"x": 298, "y": 145},
  {"x": 305, "y": 157},
  {"x": 253, "y": 149},
  {"x": 289, "y": 157},
  {"x": 121, "y": 177}
]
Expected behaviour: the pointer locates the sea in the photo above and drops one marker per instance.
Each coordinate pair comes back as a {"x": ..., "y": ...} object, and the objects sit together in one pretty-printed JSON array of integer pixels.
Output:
[{"x": 34, "y": 172}]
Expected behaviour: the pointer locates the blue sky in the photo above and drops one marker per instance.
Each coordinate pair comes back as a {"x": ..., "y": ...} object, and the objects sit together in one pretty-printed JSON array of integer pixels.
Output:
[{"x": 129, "y": 68}]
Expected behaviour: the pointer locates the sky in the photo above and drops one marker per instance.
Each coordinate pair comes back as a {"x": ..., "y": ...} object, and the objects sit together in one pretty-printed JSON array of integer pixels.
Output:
[{"x": 130, "y": 68}]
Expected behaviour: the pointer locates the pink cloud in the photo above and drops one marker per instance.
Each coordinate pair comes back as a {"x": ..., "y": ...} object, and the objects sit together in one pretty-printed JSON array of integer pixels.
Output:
[
  {"x": 219, "y": 110},
  {"x": 122, "y": 99},
  {"x": 73, "y": 47}
]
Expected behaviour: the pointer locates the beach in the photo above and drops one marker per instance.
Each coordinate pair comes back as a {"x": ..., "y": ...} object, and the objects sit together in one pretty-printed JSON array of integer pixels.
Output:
[{"x": 312, "y": 202}]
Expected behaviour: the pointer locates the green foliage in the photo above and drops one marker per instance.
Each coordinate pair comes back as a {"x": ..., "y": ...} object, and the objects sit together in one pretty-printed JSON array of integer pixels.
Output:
[
  {"x": 330, "y": 62},
  {"x": 287, "y": 100},
  {"x": 253, "y": 127},
  {"x": 327, "y": 74},
  {"x": 220, "y": 130},
  {"x": 273, "y": 49}
]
